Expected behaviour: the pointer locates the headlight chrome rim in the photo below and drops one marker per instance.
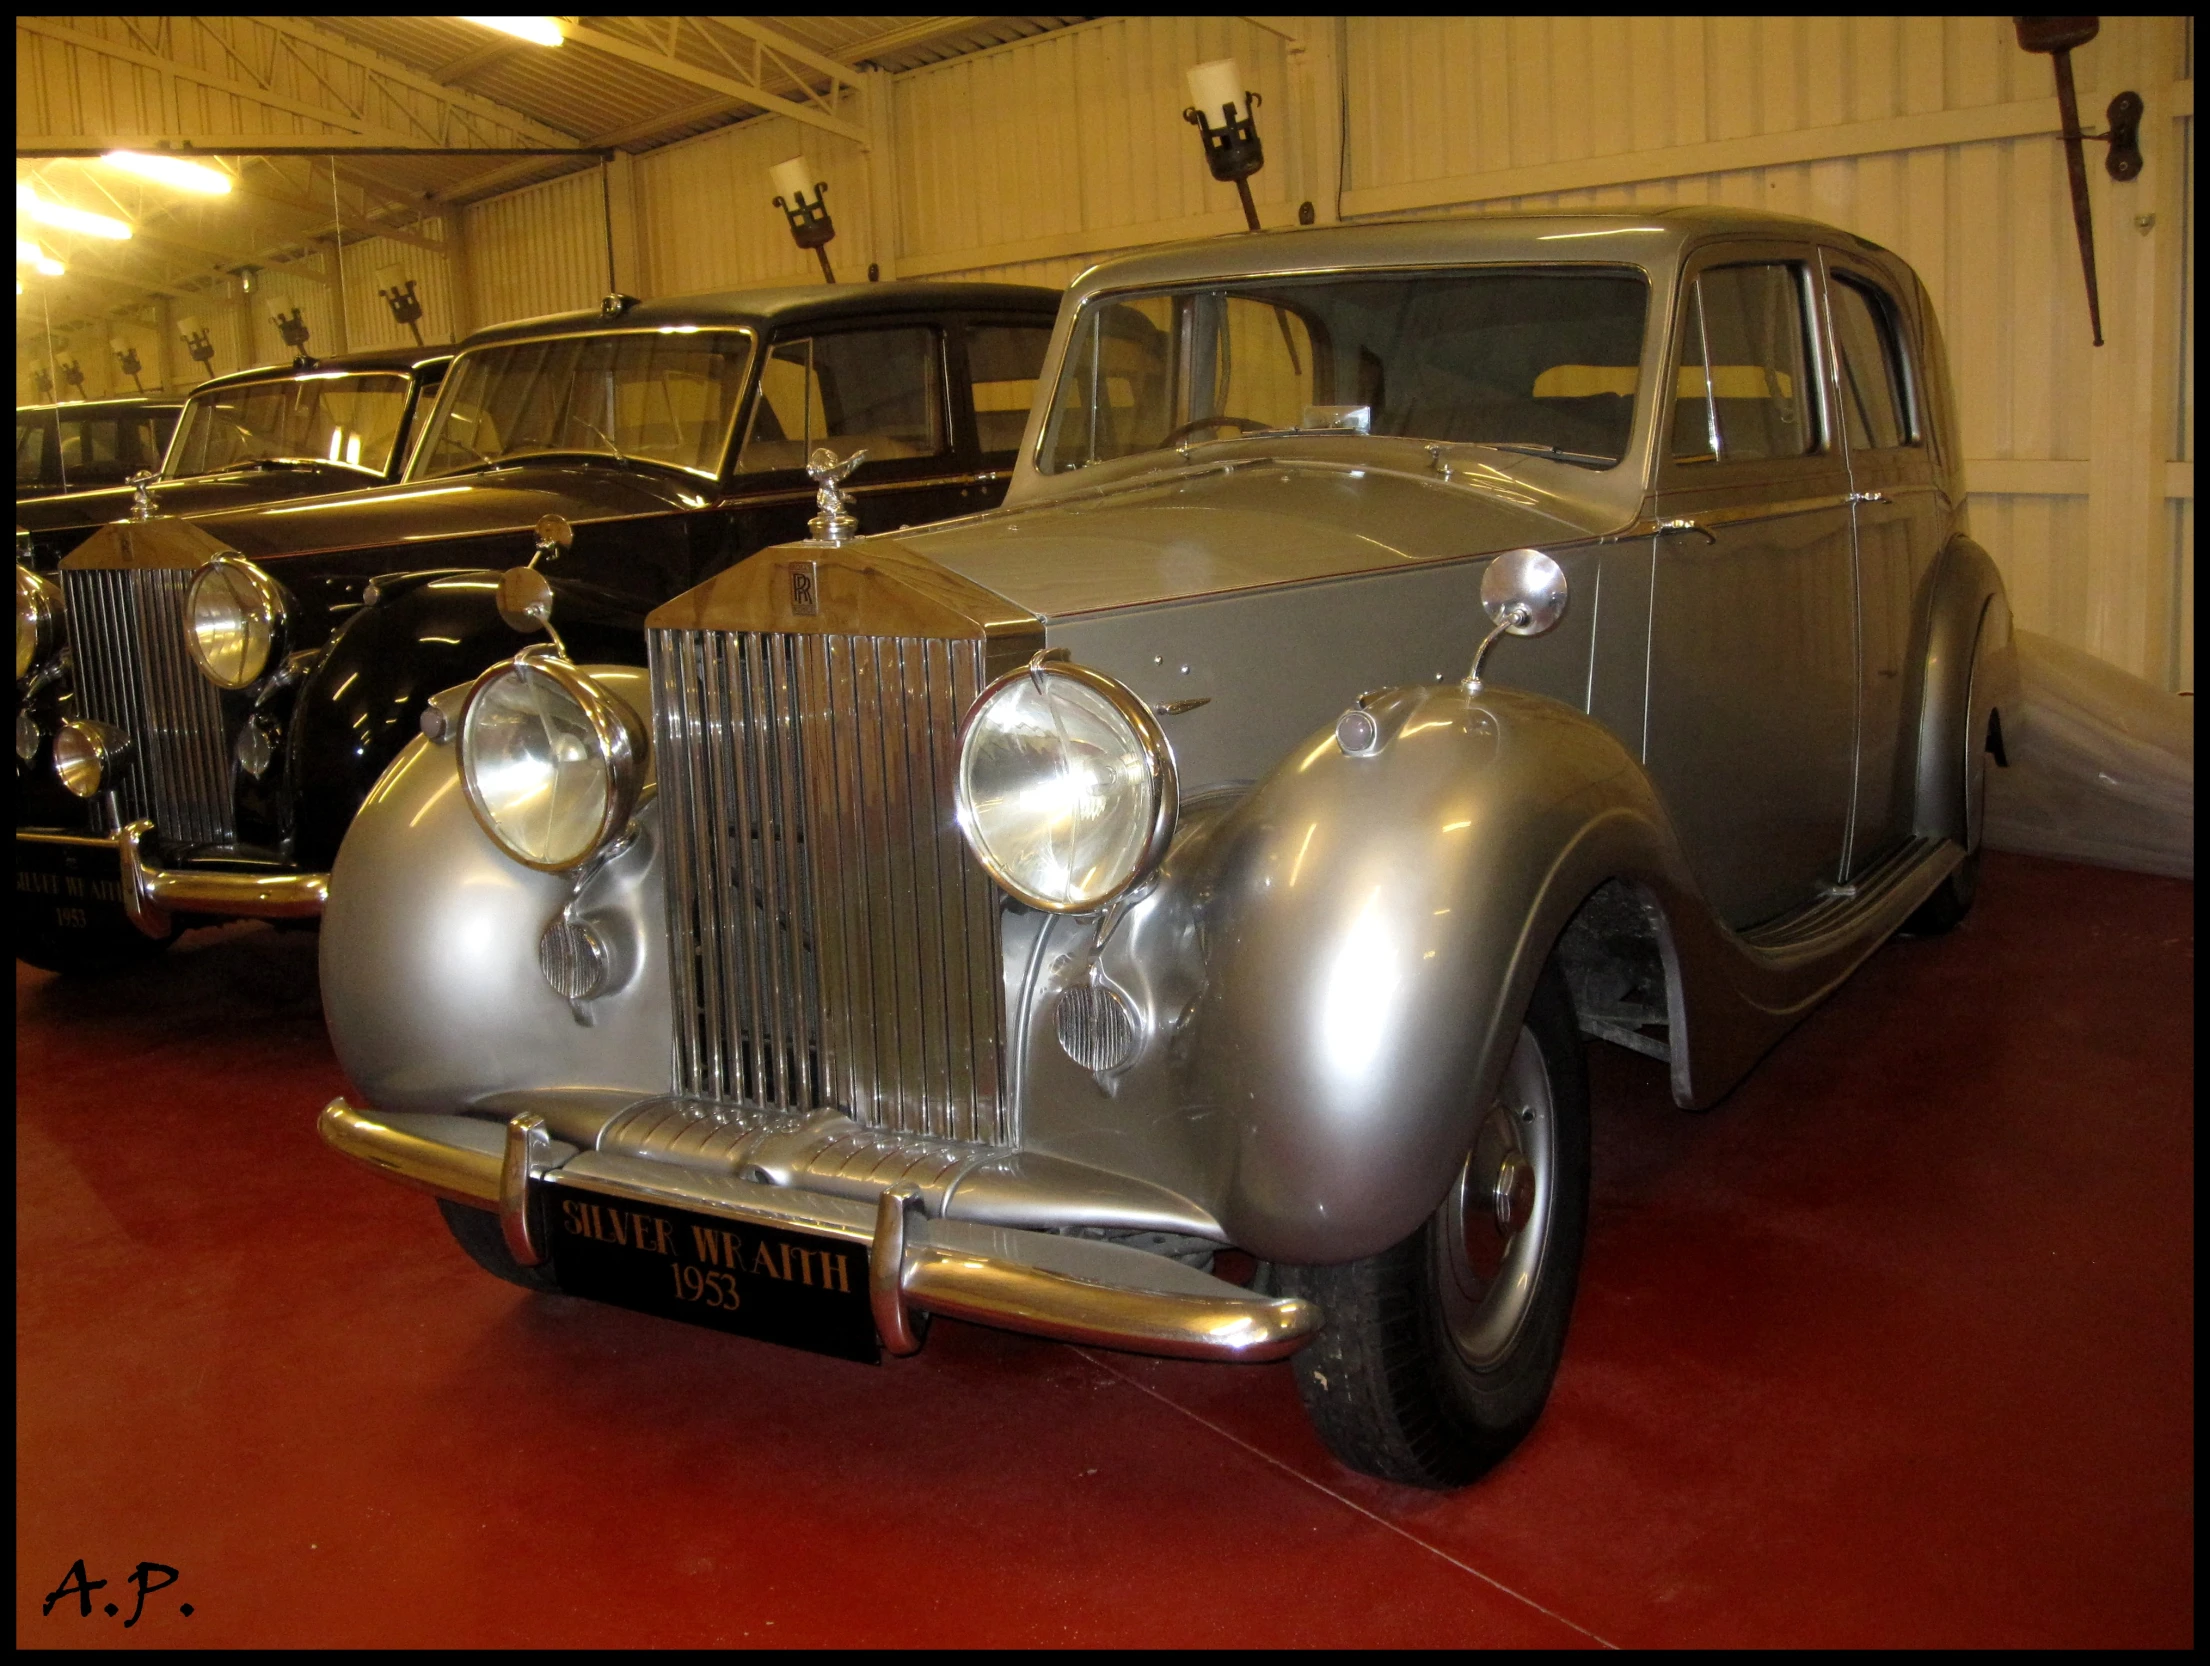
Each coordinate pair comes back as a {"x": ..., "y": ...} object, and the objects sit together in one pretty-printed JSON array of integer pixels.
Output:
[
  {"x": 621, "y": 741},
  {"x": 38, "y": 611},
  {"x": 263, "y": 611},
  {"x": 1164, "y": 786}
]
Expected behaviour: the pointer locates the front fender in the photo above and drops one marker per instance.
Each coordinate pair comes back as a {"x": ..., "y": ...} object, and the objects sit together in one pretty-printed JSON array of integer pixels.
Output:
[
  {"x": 1358, "y": 940},
  {"x": 430, "y": 983}
]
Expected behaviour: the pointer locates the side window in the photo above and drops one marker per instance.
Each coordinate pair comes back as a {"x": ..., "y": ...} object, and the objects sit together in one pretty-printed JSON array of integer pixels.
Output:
[
  {"x": 30, "y": 452},
  {"x": 1743, "y": 389},
  {"x": 1003, "y": 364},
  {"x": 1873, "y": 405},
  {"x": 871, "y": 390}
]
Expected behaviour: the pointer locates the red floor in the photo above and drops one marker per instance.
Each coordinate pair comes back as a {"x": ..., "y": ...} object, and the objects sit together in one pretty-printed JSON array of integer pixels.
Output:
[{"x": 1895, "y": 1346}]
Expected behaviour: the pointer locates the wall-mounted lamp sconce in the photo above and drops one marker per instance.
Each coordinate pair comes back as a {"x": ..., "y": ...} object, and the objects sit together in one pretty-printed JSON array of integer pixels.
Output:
[
  {"x": 246, "y": 279},
  {"x": 199, "y": 343},
  {"x": 42, "y": 383},
  {"x": 1225, "y": 116},
  {"x": 72, "y": 374},
  {"x": 126, "y": 360},
  {"x": 2057, "y": 36},
  {"x": 293, "y": 329},
  {"x": 405, "y": 309},
  {"x": 804, "y": 202}
]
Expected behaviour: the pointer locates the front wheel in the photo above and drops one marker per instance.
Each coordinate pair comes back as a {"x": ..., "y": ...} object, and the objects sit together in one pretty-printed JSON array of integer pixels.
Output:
[{"x": 1440, "y": 1351}]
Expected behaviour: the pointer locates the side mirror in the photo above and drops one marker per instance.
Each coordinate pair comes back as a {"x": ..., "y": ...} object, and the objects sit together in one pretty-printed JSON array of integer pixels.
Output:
[
  {"x": 1524, "y": 593},
  {"x": 526, "y": 599},
  {"x": 554, "y": 536}
]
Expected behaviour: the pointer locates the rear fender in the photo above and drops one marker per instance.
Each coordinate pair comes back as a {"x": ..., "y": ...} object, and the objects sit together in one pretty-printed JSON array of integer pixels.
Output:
[{"x": 1971, "y": 678}]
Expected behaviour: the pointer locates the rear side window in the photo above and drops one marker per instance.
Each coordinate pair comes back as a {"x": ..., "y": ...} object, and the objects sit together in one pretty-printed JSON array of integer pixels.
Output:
[
  {"x": 1743, "y": 391},
  {"x": 1874, "y": 409},
  {"x": 864, "y": 390},
  {"x": 30, "y": 452},
  {"x": 1004, "y": 362}
]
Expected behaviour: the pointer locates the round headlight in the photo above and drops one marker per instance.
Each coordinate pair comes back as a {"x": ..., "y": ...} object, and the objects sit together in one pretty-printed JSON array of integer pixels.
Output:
[
  {"x": 1066, "y": 786},
  {"x": 231, "y": 621},
  {"x": 37, "y": 620},
  {"x": 551, "y": 763}
]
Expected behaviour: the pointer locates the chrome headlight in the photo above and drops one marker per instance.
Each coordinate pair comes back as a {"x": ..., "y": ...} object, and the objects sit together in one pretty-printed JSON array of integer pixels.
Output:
[
  {"x": 551, "y": 763},
  {"x": 232, "y": 618},
  {"x": 1066, "y": 786},
  {"x": 37, "y": 620}
]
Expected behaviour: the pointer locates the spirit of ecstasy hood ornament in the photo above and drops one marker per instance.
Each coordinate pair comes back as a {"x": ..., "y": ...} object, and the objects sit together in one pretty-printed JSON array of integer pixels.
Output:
[{"x": 834, "y": 525}]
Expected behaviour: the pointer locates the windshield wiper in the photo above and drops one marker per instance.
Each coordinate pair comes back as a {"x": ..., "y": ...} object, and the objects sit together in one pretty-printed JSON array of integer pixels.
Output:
[{"x": 1557, "y": 454}]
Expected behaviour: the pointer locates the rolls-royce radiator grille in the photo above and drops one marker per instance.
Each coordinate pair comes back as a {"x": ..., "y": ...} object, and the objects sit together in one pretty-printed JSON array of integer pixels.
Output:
[
  {"x": 126, "y": 647},
  {"x": 832, "y": 942}
]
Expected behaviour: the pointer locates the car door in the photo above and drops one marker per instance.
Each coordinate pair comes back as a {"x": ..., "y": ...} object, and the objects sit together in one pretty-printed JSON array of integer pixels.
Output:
[
  {"x": 882, "y": 390},
  {"x": 1751, "y": 718},
  {"x": 1899, "y": 515}
]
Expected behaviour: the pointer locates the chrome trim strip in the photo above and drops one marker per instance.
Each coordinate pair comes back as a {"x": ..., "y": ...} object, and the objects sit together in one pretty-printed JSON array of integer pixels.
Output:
[
  {"x": 1074, "y": 1289},
  {"x": 528, "y": 1151}
]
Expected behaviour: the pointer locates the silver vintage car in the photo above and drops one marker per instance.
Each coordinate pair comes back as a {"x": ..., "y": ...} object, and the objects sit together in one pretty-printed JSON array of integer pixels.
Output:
[{"x": 1404, "y": 652}]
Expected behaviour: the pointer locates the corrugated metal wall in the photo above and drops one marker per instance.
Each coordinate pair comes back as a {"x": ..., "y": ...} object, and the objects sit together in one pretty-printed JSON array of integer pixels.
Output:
[{"x": 538, "y": 250}]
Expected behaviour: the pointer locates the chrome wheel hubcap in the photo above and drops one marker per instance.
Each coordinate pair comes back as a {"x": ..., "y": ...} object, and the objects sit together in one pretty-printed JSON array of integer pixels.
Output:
[{"x": 1491, "y": 1231}]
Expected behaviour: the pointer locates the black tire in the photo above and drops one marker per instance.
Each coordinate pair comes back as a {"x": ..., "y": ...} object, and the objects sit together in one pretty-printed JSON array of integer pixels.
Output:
[
  {"x": 478, "y": 1232},
  {"x": 107, "y": 947},
  {"x": 1951, "y": 901},
  {"x": 1390, "y": 1383}
]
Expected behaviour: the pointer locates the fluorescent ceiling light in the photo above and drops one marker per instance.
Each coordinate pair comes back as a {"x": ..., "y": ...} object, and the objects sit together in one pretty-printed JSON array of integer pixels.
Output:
[
  {"x": 173, "y": 171},
  {"x": 30, "y": 254},
  {"x": 64, "y": 218},
  {"x": 538, "y": 31}
]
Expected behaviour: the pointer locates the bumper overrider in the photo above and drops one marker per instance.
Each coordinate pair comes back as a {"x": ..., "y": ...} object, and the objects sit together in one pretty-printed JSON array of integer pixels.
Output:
[
  {"x": 1074, "y": 1289},
  {"x": 150, "y": 895}
]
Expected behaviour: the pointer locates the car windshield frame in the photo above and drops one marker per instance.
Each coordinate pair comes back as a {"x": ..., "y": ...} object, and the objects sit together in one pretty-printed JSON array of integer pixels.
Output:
[
  {"x": 457, "y": 379},
  {"x": 1270, "y": 288},
  {"x": 203, "y": 399}
]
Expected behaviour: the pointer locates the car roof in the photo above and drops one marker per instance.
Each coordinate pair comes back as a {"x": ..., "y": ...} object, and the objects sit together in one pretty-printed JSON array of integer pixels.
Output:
[
  {"x": 389, "y": 358},
  {"x": 780, "y": 308},
  {"x": 129, "y": 402},
  {"x": 1642, "y": 237}
]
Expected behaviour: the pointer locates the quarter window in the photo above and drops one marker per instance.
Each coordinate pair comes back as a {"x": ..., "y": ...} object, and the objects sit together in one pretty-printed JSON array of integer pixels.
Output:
[
  {"x": 1743, "y": 390},
  {"x": 1003, "y": 364},
  {"x": 865, "y": 390},
  {"x": 1873, "y": 407}
]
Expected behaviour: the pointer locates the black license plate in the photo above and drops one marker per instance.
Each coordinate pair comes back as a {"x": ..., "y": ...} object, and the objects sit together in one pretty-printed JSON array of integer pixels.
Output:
[
  {"x": 796, "y": 1288},
  {"x": 73, "y": 887}
]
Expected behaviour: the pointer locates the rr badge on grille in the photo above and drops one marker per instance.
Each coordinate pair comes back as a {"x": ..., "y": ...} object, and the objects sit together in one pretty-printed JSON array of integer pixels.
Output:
[{"x": 805, "y": 589}]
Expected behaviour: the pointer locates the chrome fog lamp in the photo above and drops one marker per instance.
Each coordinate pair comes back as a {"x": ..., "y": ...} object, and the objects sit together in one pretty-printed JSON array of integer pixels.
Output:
[
  {"x": 37, "y": 620},
  {"x": 551, "y": 763},
  {"x": 1066, "y": 786},
  {"x": 85, "y": 754},
  {"x": 232, "y": 618}
]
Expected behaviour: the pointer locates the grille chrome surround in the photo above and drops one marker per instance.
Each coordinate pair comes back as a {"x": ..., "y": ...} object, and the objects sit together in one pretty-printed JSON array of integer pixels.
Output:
[
  {"x": 832, "y": 942},
  {"x": 126, "y": 639}
]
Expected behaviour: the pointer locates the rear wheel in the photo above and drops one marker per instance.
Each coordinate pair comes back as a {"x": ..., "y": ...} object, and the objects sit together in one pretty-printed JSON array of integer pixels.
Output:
[
  {"x": 479, "y": 1233},
  {"x": 1440, "y": 1351}
]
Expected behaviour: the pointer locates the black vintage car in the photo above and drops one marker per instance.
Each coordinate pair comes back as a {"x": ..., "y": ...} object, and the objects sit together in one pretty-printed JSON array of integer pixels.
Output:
[
  {"x": 240, "y": 680},
  {"x": 266, "y": 435},
  {"x": 88, "y": 442}
]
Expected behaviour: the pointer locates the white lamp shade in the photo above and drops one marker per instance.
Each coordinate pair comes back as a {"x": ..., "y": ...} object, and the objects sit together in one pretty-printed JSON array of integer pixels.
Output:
[
  {"x": 189, "y": 326},
  {"x": 1215, "y": 84},
  {"x": 117, "y": 344},
  {"x": 793, "y": 180}
]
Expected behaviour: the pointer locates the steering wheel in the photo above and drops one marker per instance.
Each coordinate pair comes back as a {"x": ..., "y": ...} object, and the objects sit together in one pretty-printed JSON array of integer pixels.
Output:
[{"x": 1242, "y": 424}]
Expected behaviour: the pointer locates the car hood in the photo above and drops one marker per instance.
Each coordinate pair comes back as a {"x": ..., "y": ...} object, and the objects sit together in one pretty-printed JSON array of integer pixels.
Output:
[
  {"x": 196, "y": 495},
  {"x": 1240, "y": 526},
  {"x": 419, "y": 512}
]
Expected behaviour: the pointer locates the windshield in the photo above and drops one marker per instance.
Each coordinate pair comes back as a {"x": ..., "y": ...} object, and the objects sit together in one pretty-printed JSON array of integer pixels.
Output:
[
  {"x": 664, "y": 396},
  {"x": 331, "y": 417},
  {"x": 1544, "y": 361}
]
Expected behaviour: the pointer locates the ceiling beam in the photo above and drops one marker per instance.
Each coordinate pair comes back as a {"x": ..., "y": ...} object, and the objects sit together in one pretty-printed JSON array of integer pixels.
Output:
[
  {"x": 677, "y": 70},
  {"x": 914, "y": 36},
  {"x": 784, "y": 46},
  {"x": 338, "y": 46}
]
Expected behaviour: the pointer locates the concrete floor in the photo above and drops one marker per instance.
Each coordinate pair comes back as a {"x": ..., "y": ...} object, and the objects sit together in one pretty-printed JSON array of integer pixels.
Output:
[{"x": 1895, "y": 1346}]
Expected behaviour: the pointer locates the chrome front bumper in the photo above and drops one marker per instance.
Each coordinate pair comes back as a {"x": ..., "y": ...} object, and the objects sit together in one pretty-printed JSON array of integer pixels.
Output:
[
  {"x": 151, "y": 895},
  {"x": 1072, "y": 1289}
]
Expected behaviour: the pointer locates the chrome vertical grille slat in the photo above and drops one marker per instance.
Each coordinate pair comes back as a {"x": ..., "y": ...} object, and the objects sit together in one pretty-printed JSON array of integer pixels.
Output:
[
  {"x": 832, "y": 941},
  {"x": 126, "y": 634}
]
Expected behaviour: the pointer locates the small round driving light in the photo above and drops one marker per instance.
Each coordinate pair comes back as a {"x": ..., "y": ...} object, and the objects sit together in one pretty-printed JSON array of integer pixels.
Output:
[
  {"x": 1066, "y": 787},
  {"x": 1358, "y": 732},
  {"x": 232, "y": 618},
  {"x": 37, "y": 620},
  {"x": 551, "y": 763},
  {"x": 85, "y": 753}
]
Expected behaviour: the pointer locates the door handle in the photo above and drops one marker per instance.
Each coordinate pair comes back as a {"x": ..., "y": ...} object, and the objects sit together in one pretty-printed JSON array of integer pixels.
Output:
[
  {"x": 1709, "y": 536},
  {"x": 1870, "y": 497}
]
